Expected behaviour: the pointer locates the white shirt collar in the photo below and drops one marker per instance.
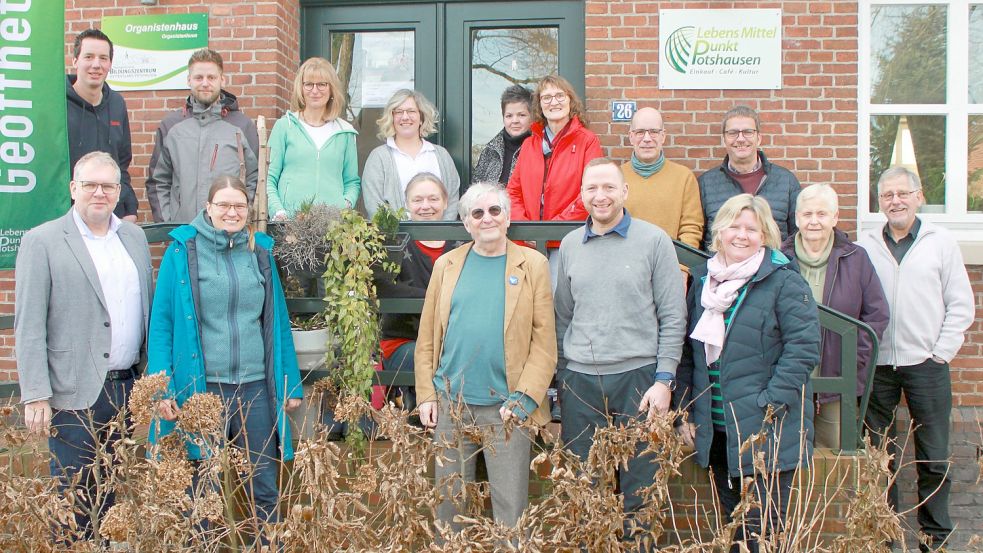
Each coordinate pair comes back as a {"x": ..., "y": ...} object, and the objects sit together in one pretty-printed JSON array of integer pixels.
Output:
[
  {"x": 114, "y": 224},
  {"x": 427, "y": 146}
]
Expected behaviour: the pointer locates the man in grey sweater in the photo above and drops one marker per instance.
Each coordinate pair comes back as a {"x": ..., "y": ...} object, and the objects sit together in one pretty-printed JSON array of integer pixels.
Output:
[{"x": 620, "y": 323}]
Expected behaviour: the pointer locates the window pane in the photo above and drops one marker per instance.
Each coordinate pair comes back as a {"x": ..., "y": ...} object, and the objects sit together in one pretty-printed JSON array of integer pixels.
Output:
[
  {"x": 501, "y": 58},
  {"x": 974, "y": 182},
  {"x": 908, "y": 54},
  {"x": 371, "y": 66},
  {"x": 918, "y": 143},
  {"x": 976, "y": 54}
]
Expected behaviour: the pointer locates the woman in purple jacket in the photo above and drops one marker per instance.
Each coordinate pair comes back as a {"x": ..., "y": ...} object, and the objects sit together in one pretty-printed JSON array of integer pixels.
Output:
[{"x": 842, "y": 277}]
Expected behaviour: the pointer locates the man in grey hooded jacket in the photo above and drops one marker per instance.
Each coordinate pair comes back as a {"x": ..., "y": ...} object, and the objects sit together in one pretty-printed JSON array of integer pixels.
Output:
[{"x": 207, "y": 138}]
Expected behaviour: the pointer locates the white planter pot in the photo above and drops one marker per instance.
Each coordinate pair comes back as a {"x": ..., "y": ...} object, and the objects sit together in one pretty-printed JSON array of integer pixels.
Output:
[{"x": 310, "y": 345}]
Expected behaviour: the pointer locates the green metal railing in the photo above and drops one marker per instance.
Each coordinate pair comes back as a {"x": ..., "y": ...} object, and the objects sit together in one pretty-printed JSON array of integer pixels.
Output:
[{"x": 851, "y": 414}]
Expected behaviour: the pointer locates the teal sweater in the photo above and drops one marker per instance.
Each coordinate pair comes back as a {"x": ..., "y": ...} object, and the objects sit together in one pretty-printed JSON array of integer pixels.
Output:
[
  {"x": 300, "y": 172},
  {"x": 232, "y": 296}
]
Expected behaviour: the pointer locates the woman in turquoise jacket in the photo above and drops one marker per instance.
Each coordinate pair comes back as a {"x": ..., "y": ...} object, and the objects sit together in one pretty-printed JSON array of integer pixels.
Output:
[
  {"x": 219, "y": 324},
  {"x": 312, "y": 149}
]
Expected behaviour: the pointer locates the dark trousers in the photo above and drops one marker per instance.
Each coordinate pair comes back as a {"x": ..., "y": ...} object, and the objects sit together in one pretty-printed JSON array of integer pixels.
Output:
[
  {"x": 77, "y": 437},
  {"x": 928, "y": 393},
  {"x": 587, "y": 402},
  {"x": 250, "y": 426},
  {"x": 773, "y": 493}
]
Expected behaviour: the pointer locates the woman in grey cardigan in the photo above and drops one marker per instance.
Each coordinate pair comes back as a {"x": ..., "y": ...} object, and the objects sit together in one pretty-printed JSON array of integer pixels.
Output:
[{"x": 405, "y": 123}]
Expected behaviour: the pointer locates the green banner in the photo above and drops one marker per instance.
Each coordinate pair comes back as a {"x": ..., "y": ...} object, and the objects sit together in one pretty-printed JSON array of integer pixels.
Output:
[{"x": 33, "y": 123}]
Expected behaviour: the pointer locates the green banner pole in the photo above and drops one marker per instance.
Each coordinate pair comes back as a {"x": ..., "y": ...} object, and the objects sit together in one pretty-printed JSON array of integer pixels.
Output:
[{"x": 34, "y": 170}]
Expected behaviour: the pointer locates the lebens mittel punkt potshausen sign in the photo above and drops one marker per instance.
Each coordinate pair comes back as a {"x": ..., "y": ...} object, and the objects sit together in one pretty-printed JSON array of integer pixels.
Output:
[{"x": 720, "y": 49}]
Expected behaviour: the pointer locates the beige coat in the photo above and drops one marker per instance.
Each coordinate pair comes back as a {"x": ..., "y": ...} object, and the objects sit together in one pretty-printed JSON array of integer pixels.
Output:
[{"x": 530, "y": 333}]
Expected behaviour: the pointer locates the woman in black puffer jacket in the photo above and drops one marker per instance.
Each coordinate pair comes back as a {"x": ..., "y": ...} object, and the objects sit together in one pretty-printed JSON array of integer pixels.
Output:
[{"x": 754, "y": 332}]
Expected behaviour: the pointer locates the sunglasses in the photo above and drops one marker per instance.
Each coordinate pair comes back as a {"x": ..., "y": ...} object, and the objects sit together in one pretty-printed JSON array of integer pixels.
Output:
[{"x": 479, "y": 213}]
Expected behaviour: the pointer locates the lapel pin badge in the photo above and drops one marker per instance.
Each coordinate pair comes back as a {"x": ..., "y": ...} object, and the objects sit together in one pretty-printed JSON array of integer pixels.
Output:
[{"x": 513, "y": 280}]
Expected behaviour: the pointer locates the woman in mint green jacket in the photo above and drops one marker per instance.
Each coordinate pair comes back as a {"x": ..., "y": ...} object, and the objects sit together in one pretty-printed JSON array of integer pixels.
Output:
[{"x": 312, "y": 149}]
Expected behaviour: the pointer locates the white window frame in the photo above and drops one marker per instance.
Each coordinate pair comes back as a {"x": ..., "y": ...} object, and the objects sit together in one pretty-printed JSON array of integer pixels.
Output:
[{"x": 967, "y": 227}]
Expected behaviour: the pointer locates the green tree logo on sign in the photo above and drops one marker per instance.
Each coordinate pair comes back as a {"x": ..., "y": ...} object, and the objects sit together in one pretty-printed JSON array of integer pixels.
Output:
[{"x": 679, "y": 48}]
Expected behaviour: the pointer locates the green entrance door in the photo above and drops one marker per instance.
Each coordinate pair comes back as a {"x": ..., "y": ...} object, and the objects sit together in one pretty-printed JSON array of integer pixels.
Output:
[{"x": 461, "y": 55}]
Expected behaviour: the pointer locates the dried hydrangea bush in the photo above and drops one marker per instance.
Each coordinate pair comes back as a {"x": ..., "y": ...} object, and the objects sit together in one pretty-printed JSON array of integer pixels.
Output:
[{"x": 384, "y": 500}]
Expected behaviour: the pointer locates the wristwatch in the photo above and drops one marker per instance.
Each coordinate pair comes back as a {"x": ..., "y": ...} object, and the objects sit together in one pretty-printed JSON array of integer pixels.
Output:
[{"x": 666, "y": 379}]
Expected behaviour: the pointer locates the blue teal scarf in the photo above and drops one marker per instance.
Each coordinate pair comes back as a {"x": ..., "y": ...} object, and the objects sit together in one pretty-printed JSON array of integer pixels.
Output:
[{"x": 646, "y": 170}]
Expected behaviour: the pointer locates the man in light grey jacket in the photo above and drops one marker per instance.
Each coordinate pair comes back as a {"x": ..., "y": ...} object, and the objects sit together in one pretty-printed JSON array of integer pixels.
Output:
[
  {"x": 620, "y": 323},
  {"x": 932, "y": 305},
  {"x": 83, "y": 289},
  {"x": 206, "y": 139}
]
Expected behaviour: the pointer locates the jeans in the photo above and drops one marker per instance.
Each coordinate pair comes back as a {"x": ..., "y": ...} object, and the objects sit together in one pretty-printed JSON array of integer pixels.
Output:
[
  {"x": 928, "y": 392},
  {"x": 250, "y": 426},
  {"x": 778, "y": 486},
  {"x": 587, "y": 401},
  {"x": 78, "y": 435}
]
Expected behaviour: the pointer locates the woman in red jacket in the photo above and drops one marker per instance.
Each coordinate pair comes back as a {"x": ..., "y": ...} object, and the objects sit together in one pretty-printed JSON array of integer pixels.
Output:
[{"x": 545, "y": 185}]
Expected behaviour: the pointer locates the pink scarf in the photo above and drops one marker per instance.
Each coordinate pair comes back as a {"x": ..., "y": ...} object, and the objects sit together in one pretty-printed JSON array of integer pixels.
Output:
[{"x": 720, "y": 290}]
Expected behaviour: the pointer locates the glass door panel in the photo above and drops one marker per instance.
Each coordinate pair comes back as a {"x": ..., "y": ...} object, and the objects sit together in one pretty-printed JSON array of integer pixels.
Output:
[
  {"x": 501, "y": 58},
  {"x": 376, "y": 49},
  {"x": 494, "y": 45},
  {"x": 372, "y": 65}
]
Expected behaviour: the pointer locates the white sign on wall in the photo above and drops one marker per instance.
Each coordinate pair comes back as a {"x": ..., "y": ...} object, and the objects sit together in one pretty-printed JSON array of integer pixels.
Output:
[{"x": 720, "y": 49}]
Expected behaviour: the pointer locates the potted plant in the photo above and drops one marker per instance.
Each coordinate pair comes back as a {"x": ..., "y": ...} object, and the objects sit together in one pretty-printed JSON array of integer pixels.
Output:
[
  {"x": 387, "y": 220},
  {"x": 302, "y": 242}
]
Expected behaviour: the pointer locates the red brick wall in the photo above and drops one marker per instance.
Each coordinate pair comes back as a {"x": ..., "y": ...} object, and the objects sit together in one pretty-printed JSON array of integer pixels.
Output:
[
  {"x": 809, "y": 126},
  {"x": 259, "y": 43}
]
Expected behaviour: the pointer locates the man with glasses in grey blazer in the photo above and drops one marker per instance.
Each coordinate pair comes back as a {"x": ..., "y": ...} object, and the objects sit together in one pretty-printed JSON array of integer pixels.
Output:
[{"x": 83, "y": 287}]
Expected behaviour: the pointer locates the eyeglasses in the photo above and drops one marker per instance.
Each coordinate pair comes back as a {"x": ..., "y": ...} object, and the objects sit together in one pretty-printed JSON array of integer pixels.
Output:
[
  {"x": 640, "y": 133},
  {"x": 734, "y": 133},
  {"x": 903, "y": 195},
  {"x": 559, "y": 98},
  {"x": 226, "y": 206},
  {"x": 108, "y": 188},
  {"x": 478, "y": 213},
  {"x": 322, "y": 86},
  {"x": 411, "y": 113}
]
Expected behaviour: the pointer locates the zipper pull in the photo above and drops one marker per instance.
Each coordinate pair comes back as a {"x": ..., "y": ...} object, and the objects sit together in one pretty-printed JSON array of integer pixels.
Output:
[
  {"x": 231, "y": 242},
  {"x": 574, "y": 150}
]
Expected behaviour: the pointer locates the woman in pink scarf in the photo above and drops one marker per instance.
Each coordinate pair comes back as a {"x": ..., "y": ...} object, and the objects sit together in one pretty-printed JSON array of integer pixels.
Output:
[{"x": 754, "y": 332}]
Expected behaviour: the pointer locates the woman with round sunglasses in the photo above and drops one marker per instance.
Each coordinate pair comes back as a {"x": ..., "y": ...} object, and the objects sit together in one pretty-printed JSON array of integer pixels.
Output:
[
  {"x": 407, "y": 120},
  {"x": 312, "y": 149},
  {"x": 485, "y": 354}
]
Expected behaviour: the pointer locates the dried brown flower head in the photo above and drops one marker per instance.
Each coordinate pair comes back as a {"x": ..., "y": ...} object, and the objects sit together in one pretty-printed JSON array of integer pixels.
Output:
[
  {"x": 202, "y": 414},
  {"x": 147, "y": 392}
]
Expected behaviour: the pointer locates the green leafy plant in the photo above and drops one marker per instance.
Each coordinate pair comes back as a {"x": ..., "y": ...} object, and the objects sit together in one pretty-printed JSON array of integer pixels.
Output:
[
  {"x": 352, "y": 305},
  {"x": 387, "y": 219}
]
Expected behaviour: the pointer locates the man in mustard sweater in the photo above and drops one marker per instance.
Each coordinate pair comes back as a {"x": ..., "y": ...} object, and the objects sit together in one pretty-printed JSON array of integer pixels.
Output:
[{"x": 661, "y": 192}]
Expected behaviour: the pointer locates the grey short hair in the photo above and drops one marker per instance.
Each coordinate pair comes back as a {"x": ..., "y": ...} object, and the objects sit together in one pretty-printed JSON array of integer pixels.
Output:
[
  {"x": 426, "y": 177},
  {"x": 897, "y": 171},
  {"x": 740, "y": 111},
  {"x": 479, "y": 189},
  {"x": 95, "y": 158},
  {"x": 823, "y": 192}
]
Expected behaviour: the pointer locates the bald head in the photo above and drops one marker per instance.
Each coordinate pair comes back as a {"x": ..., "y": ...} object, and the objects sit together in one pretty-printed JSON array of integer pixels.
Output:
[{"x": 647, "y": 145}]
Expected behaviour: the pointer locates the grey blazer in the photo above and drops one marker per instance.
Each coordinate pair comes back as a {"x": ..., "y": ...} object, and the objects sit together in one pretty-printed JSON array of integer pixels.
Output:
[
  {"x": 380, "y": 181},
  {"x": 61, "y": 322}
]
